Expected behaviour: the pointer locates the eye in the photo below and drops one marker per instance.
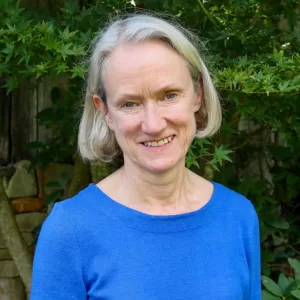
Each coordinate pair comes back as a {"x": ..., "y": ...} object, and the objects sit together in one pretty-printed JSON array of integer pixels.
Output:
[
  {"x": 170, "y": 96},
  {"x": 130, "y": 104}
]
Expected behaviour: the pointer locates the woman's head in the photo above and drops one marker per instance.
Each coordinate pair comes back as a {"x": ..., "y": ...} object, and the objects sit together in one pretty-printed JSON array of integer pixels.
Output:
[{"x": 136, "y": 56}]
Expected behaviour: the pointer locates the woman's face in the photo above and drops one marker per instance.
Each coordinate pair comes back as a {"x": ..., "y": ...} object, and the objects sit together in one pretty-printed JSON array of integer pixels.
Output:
[{"x": 151, "y": 104}]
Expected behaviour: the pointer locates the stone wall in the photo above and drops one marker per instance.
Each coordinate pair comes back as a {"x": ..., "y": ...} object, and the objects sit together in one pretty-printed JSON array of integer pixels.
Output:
[
  {"x": 27, "y": 192},
  {"x": 11, "y": 286}
]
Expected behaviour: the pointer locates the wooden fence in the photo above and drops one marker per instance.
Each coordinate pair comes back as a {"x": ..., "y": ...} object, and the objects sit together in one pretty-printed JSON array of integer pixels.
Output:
[{"x": 18, "y": 122}]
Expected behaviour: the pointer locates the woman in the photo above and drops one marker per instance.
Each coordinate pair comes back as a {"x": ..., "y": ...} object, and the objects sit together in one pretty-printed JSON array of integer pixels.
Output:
[{"x": 153, "y": 229}]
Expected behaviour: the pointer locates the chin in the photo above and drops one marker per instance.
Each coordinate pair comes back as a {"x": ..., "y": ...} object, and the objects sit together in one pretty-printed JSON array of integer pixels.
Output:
[{"x": 159, "y": 166}]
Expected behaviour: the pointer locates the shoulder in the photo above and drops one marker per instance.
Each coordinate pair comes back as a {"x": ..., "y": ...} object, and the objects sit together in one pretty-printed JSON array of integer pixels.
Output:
[
  {"x": 235, "y": 205},
  {"x": 84, "y": 200},
  {"x": 76, "y": 211}
]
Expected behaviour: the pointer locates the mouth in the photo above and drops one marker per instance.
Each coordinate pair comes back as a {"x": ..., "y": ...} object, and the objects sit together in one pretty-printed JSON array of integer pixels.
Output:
[{"x": 159, "y": 143}]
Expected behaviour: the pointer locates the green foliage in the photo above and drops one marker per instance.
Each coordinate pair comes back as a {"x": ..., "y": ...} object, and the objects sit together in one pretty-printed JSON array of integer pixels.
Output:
[
  {"x": 286, "y": 288},
  {"x": 35, "y": 49},
  {"x": 204, "y": 149}
]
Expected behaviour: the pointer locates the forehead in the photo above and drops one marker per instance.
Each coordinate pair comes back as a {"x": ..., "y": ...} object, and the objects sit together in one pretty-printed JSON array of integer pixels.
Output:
[{"x": 135, "y": 65}]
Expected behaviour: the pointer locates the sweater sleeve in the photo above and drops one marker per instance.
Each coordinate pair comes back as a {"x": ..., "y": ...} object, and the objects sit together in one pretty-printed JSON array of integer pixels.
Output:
[
  {"x": 57, "y": 269},
  {"x": 254, "y": 261}
]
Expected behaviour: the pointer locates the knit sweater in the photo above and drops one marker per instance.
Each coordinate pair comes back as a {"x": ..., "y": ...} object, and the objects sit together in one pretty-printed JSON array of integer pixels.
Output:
[{"x": 92, "y": 247}]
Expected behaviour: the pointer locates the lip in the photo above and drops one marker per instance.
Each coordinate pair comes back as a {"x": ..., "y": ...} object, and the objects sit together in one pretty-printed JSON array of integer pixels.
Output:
[{"x": 160, "y": 148}]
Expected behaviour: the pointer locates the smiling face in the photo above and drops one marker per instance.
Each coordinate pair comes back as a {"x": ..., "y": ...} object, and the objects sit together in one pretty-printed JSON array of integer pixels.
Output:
[{"x": 151, "y": 104}]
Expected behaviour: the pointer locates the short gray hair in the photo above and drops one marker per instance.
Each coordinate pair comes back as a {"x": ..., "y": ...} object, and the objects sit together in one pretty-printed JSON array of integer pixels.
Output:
[{"x": 96, "y": 141}]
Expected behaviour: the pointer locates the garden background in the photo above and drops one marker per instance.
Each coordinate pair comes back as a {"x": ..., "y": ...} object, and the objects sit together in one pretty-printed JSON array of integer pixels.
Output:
[{"x": 252, "y": 50}]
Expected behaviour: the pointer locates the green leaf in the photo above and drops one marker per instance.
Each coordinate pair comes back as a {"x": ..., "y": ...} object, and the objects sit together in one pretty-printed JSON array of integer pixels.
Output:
[
  {"x": 279, "y": 224},
  {"x": 296, "y": 266},
  {"x": 78, "y": 71},
  {"x": 268, "y": 296},
  {"x": 266, "y": 270},
  {"x": 66, "y": 34},
  {"x": 271, "y": 286},
  {"x": 295, "y": 285},
  {"x": 284, "y": 282},
  {"x": 221, "y": 154},
  {"x": 61, "y": 68},
  {"x": 296, "y": 294},
  {"x": 11, "y": 84},
  {"x": 25, "y": 58},
  {"x": 40, "y": 69},
  {"x": 283, "y": 86},
  {"x": 277, "y": 240}
]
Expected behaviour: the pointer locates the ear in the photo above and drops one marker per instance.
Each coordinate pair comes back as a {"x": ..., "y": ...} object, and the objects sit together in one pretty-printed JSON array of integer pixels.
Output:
[
  {"x": 99, "y": 103},
  {"x": 199, "y": 94},
  {"x": 102, "y": 107}
]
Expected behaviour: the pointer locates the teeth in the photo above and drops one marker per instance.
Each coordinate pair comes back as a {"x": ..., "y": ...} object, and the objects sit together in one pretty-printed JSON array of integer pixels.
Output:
[{"x": 159, "y": 143}]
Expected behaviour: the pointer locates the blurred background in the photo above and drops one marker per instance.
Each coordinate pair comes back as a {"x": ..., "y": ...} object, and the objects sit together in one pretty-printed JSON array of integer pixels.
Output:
[{"x": 251, "y": 48}]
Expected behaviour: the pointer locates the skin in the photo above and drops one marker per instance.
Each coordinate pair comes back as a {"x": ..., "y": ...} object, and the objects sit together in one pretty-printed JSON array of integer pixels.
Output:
[{"x": 150, "y": 96}]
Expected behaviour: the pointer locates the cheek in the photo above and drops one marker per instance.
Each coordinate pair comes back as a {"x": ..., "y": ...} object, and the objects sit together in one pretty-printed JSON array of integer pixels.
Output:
[
  {"x": 126, "y": 126},
  {"x": 182, "y": 115}
]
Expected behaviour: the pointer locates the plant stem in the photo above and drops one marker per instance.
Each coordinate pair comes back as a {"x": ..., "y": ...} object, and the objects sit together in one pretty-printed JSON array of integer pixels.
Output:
[{"x": 207, "y": 13}]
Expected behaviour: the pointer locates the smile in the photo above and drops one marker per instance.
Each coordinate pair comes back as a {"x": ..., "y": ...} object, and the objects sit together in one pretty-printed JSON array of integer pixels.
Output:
[{"x": 160, "y": 142}]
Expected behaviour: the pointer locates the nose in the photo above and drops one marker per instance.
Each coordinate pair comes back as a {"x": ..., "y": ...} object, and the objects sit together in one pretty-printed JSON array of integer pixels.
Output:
[{"x": 153, "y": 122}]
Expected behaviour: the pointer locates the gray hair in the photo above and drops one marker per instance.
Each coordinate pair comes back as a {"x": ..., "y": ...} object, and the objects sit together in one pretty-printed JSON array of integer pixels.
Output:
[{"x": 96, "y": 141}]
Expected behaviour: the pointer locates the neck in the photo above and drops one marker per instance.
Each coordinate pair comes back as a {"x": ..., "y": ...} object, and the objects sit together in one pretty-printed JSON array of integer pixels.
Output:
[{"x": 156, "y": 191}]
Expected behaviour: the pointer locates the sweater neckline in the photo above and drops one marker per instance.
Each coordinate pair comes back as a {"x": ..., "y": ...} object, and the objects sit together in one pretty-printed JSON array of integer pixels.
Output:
[{"x": 160, "y": 223}]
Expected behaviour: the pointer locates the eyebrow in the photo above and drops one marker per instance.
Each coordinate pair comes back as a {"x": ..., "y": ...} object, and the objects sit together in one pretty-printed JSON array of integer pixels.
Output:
[{"x": 156, "y": 92}]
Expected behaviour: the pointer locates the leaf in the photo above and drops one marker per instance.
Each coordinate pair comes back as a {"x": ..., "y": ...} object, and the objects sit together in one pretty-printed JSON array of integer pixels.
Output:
[
  {"x": 271, "y": 286},
  {"x": 266, "y": 270},
  {"x": 293, "y": 286},
  {"x": 78, "y": 71},
  {"x": 277, "y": 240},
  {"x": 279, "y": 224},
  {"x": 220, "y": 155},
  {"x": 66, "y": 34},
  {"x": 284, "y": 282},
  {"x": 283, "y": 86},
  {"x": 61, "y": 68},
  {"x": 24, "y": 58},
  {"x": 296, "y": 294},
  {"x": 11, "y": 84},
  {"x": 267, "y": 296},
  {"x": 296, "y": 266}
]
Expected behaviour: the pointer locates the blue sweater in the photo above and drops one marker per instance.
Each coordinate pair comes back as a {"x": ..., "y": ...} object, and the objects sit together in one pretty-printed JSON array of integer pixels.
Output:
[{"x": 91, "y": 247}]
